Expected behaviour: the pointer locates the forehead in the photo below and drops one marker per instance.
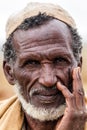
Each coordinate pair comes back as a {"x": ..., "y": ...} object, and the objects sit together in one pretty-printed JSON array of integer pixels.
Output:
[{"x": 50, "y": 33}]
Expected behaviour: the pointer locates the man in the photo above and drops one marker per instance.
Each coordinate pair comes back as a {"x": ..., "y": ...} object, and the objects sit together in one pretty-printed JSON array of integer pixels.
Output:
[{"x": 42, "y": 58}]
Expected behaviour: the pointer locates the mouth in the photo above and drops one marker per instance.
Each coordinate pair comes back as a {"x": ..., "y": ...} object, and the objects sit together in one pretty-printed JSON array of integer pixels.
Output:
[
  {"x": 47, "y": 99},
  {"x": 46, "y": 96}
]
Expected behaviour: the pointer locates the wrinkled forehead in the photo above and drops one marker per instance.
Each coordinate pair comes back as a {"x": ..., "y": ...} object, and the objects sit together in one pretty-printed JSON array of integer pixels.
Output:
[{"x": 53, "y": 30}]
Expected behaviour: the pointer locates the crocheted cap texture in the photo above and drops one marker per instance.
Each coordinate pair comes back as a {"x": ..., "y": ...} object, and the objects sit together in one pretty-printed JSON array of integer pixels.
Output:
[{"x": 33, "y": 9}]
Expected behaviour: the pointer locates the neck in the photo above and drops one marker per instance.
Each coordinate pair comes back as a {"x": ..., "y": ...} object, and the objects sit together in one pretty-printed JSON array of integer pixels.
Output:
[{"x": 33, "y": 124}]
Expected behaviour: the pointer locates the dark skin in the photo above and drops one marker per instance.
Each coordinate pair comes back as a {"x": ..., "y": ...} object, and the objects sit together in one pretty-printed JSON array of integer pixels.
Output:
[{"x": 45, "y": 60}]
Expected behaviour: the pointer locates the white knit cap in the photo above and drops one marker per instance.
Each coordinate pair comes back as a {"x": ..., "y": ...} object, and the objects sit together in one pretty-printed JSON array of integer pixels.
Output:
[{"x": 33, "y": 9}]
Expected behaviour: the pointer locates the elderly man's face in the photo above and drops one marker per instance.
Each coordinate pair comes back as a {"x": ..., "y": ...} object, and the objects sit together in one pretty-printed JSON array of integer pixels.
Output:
[{"x": 44, "y": 57}]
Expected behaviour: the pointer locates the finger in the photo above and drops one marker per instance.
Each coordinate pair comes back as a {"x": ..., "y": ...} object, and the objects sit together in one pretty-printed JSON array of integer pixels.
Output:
[
  {"x": 69, "y": 97},
  {"x": 78, "y": 88}
]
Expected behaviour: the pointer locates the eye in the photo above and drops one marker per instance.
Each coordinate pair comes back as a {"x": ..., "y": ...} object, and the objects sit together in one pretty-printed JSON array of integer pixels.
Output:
[
  {"x": 60, "y": 60},
  {"x": 31, "y": 63}
]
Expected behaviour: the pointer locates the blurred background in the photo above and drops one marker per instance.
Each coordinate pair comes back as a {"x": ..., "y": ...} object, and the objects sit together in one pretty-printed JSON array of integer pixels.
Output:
[{"x": 77, "y": 9}]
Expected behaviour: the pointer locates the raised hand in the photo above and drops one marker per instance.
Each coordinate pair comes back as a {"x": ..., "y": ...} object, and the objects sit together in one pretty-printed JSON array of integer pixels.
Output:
[{"x": 75, "y": 114}]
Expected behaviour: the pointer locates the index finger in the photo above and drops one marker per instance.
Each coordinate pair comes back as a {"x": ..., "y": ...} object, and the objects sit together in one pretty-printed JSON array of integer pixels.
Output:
[
  {"x": 69, "y": 97},
  {"x": 78, "y": 90}
]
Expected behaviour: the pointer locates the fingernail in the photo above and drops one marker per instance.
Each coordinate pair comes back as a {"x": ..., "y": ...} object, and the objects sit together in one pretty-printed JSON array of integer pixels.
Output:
[{"x": 58, "y": 83}]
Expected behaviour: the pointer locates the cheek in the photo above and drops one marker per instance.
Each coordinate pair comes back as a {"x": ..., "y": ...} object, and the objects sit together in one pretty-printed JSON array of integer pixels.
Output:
[
  {"x": 25, "y": 77},
  {"x": 64, "y": 75},
  {"x": 26, "y": 80},
  {"x": 22, "y": 76}
]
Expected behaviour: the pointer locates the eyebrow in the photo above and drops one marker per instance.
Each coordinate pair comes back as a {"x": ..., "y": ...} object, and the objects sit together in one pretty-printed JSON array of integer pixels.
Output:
[{"x": 40, "y": 55}]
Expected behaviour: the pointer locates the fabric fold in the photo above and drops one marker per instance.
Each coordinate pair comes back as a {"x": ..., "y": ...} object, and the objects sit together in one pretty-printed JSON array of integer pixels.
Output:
[{"x": 11, "y": 114}]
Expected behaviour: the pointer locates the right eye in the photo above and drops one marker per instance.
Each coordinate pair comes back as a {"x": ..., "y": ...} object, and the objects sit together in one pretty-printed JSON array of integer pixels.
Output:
[
  {"x": 60, "y": 60},
  {"x": 31, "y": 63}
]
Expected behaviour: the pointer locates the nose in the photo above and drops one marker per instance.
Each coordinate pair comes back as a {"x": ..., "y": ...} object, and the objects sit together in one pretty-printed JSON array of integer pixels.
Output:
[{"x": 47, "y": 77}]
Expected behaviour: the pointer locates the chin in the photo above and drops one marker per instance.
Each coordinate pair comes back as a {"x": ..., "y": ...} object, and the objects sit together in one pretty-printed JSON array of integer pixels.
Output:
[{"x": 39, "y": 113}]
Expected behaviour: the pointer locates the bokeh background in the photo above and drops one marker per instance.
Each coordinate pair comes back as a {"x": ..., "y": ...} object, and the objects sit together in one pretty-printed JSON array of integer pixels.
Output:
[{"x": 77, "y": 9}]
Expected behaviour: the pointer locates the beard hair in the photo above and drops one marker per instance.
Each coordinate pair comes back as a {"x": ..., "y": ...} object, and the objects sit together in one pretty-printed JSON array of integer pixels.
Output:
[{"x": 40, "y": 113}]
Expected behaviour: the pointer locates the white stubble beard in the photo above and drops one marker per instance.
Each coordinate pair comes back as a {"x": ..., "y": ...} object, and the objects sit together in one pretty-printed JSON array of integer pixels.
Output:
[{"x": 42, "y": 114}]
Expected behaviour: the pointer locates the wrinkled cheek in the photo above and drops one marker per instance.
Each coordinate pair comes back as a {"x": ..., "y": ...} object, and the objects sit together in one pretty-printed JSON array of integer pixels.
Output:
[
  {"x": 26, "y": 80},
  {"x": 22, "y": 77},
  {"x": 64, "y": 75}
]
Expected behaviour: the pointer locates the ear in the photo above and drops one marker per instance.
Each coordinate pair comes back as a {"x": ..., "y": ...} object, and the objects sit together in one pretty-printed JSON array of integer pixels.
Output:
[
  {"x": 8, "y": 71},
  {"x": 80, "y": 62}
]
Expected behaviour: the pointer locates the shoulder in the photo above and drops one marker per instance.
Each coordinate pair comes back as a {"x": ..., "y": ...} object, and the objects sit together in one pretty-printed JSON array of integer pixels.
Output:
[
  {"x": 6, "y": 104},
  {"x": 8, "y": 101},
  {"x": 11, "y": 114}
]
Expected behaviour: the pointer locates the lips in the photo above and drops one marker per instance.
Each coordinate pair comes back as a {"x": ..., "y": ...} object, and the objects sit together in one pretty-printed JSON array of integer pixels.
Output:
[{"x": 47, "y": 98}]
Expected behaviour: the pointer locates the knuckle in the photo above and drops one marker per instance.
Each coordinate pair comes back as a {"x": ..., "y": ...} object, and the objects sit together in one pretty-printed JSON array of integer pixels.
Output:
[
  {"x": 64, "y": 88},
  {"x": 75, "y": 114},
  {"x": 71, "y": 97},
  {"x": 81, "y": 92}
]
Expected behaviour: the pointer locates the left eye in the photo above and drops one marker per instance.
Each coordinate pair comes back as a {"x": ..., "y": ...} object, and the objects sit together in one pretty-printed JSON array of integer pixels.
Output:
[{"x": 60, "y": 60}]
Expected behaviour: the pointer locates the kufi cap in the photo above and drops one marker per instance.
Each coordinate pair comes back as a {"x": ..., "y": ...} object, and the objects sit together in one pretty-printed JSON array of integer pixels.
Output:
[{"x": 35, "y": 8}]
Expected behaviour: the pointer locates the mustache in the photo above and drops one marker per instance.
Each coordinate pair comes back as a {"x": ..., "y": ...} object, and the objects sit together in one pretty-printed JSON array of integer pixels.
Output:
[
  {"x": 48, "y": 90},
  {"x": 42, "y": 90}
]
